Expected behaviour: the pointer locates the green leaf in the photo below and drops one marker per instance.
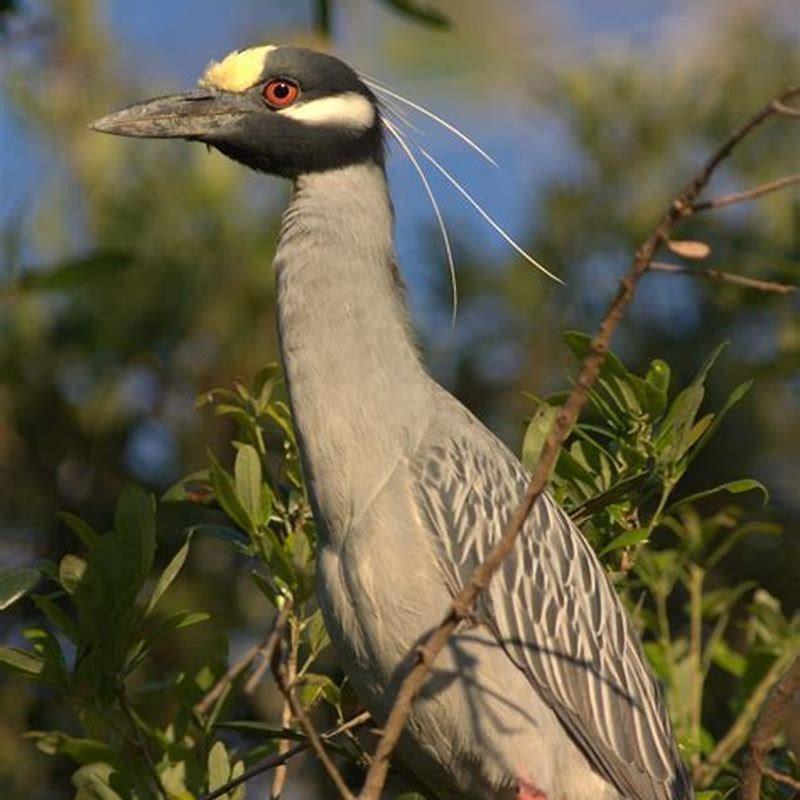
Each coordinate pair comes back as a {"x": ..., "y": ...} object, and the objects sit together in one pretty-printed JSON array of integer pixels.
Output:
[
  {"x": 88, "y": 536},
  {"x": 425, "y": 14},
  {"x": 191, "y": 489},
  {"x": 733, "y": 398},
  {"x": 732, "y": 487},
  {"x": 16, "y": 583},
  {"x": 93, "y": 782},
  {"x": 616, "y": 493},
  {"x": 728, "y": 659},
  {"x": 22, "y": 661},
  {"x": 70, "y": 572},
  {"x": 267, "y": 588},
  {"x": 263, "y": 729},
  {"x": 82, "y": 751},
  {"x": 183, "y": 619},
  {"x": 58, "y": 617},
  {"x": 317, "y": 633},
  {"x": 135, "y": 523},
  {"x": 536, "y": 434},
  {"x": 219, "y": 767},
  {"x": 315, "y": 687},
  {"x": 627, "y": 539},
  {"x": 247, "y": 472},
  {"x": 225, "y": 491},
  {"x": 168, "y": 576}
]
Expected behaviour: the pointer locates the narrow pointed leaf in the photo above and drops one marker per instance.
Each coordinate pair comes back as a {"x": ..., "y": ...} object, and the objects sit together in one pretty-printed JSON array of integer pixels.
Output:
[
  {"x": 88, "y": 536},
  {"x": 167, "y": 577},
  {"x": 732, "y": 487},
  {"x": 16, "y": 583}
]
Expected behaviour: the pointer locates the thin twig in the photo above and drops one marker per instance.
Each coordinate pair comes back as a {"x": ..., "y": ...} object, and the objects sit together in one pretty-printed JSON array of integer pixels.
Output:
[
  {"x": 750, "y": 194},
  {"x": 275, "y": 760},
  {"x": 784, "y": 110},
  {"x": 266, "y": 646},
  {"x": 767, "y": 725},
  {"x": 464, "y": 602},
  {"x": 782, "y": 777},
  {"x": 314, "y": 738},
  {"x": 696, "y": 576},
  {"x": 141, "y": 744},
  {"x": 736, "y": 736},
  {"x": 267, "y": 649},
  {"x": 290, "y": 674},
  {"x": 726, "y": 277}
]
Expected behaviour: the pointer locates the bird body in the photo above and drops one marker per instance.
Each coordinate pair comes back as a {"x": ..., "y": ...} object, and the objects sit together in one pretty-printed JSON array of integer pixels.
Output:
[{"x": 547, "y": 690}]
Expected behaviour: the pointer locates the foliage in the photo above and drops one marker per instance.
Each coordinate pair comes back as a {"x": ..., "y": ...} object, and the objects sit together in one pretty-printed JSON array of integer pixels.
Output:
[{"x": 616, "y": 477}]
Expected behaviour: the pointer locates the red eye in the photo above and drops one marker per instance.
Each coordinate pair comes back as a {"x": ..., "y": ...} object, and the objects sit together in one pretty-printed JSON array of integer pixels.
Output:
[{"x": 280, "y": 93}]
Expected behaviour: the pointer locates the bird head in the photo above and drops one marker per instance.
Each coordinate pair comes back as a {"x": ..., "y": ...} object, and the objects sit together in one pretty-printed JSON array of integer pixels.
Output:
[{"x": 282, "y": 110}]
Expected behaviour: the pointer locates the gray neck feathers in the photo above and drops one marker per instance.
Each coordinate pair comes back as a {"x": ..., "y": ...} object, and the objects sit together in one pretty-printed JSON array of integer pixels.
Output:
[{"x": 357, "y": 388}]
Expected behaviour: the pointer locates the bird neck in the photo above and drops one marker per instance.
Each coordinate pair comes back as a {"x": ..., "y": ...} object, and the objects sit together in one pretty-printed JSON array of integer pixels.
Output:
[{"x": 358, "y": 391}]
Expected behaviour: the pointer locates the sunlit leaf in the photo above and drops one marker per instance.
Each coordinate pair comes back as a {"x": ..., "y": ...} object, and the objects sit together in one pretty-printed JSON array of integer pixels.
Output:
[
  {"x": 22, "y": 661},
  {"x": 16, "y": 583},
  {"x": 219, "y": 766},
  {"x": 536, "y": 434},
  {"x": 627, "y": 539},
  {"x": 225, "y": 491},
  {"x": 247, "y": 473},
  {"x": 732, "y": 487},
  {"x": 71, "y": 570}
]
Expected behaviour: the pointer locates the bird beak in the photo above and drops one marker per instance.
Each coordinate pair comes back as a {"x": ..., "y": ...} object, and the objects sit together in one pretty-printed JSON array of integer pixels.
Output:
[{"x": 201, "y": 115}]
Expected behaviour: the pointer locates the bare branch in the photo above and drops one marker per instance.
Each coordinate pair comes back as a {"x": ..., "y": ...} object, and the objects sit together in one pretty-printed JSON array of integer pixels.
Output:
[
  {"x": 782, "y": 777},
  {"x": 266, "y": 647},
  {"x": 767, "y": 725},
  {"x": 736, "y": 736},
  {"x": 749, "y": 194},
  {"x": 463, "y": 604},
  {"x": 289, "y": 674},
  {"x": 275, "y": 760},
  {"x": 726, "y": 277},
  {"x": 314, "y": 738},
  {"x": 784, "y": 110}
]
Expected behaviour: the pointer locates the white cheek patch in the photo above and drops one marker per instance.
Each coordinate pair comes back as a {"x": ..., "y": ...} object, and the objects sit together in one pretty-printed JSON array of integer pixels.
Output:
[
  {"x": 238, "y": 70},
  {"x": 351, "y": 110}
]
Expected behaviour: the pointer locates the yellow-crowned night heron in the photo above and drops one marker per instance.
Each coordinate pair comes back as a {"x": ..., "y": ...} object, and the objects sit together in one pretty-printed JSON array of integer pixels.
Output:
[{"x": 549, "y": 694}]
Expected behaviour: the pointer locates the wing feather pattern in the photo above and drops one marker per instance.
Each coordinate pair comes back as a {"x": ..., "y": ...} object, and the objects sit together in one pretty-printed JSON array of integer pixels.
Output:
[{"x": 554, "y": 612}]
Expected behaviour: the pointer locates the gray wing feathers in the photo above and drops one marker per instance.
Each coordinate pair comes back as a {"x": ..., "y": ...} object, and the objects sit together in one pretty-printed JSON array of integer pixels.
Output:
[{"x": 554, "y": 612}]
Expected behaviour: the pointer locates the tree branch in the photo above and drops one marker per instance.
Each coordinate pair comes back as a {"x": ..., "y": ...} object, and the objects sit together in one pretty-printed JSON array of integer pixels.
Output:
[
  {"x": 736, "y": 736},
  {"x": 766, "y": 729},
  {"x": 465, "y": 601},
  {"x": 266, "y": 648},
  {"x": 314, "y": 738},
  {"x": 750, "y": 194},
  {"x": 725, "y": 277},
  {"x": 275, "y": 760},
  {"x": 289, "y": 673}
]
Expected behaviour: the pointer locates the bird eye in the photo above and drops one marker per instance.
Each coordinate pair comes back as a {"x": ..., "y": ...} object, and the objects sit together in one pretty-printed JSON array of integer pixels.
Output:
[{"x": 280, "y": 93}]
